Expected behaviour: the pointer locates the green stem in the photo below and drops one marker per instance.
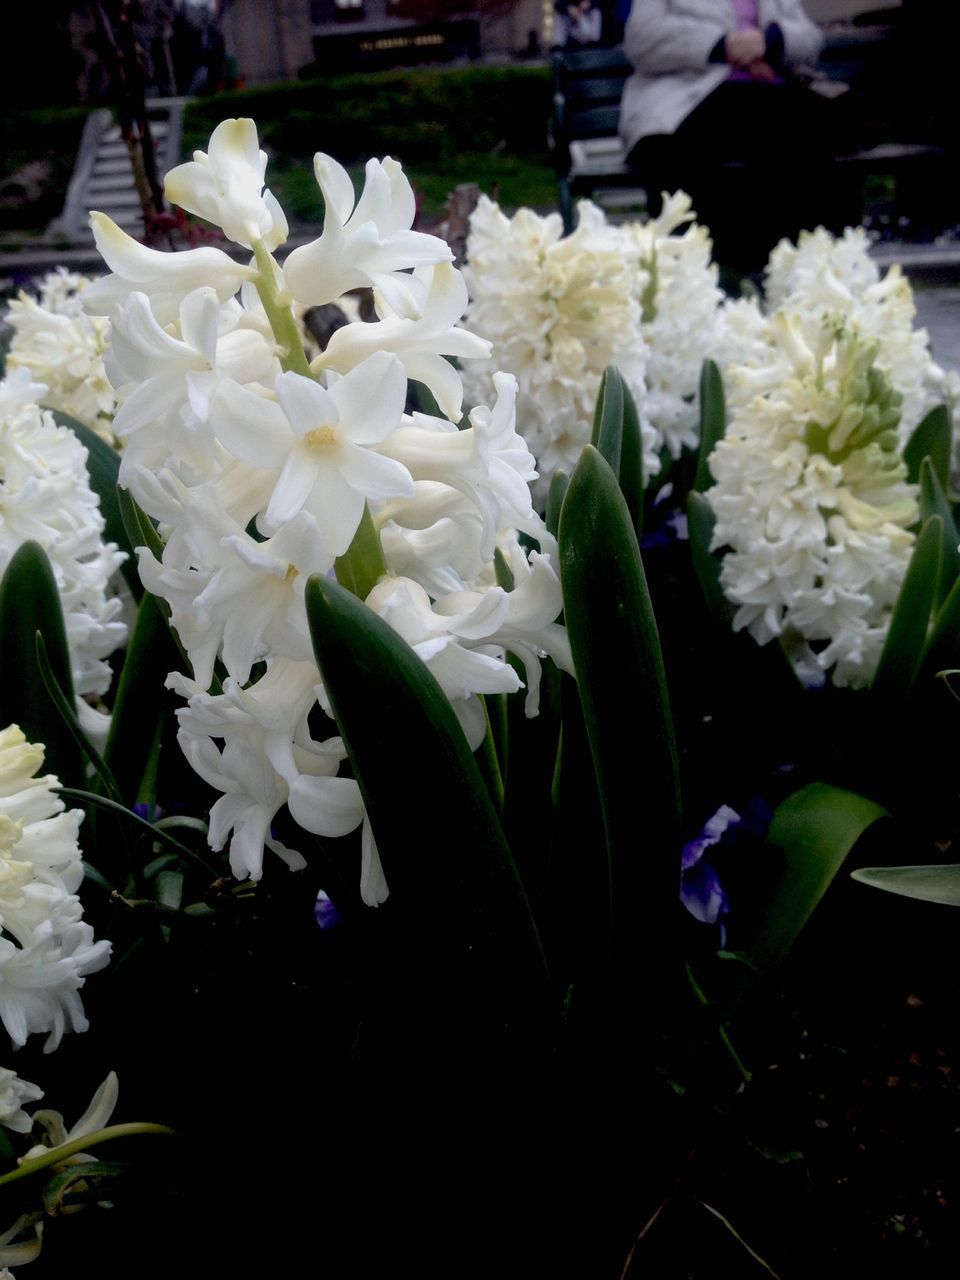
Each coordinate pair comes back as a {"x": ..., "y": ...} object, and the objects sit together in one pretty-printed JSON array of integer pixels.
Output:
[
  {"x": 703, "y": 999},
  {"x": 56, "y": 1155},
  {"x": 489, "y": 762},
  {"x": 362, "y": 565},
  {"x": 102, "y": 802},
  {"x": 284, "y": 326}
]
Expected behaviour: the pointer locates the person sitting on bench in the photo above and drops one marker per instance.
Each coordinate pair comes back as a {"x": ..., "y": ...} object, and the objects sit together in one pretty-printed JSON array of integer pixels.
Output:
[{"x": 714, "y": 107}]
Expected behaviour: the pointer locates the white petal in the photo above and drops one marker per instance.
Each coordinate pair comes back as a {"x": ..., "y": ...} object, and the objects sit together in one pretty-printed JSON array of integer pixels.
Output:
[{"x": 326, "y": 806}]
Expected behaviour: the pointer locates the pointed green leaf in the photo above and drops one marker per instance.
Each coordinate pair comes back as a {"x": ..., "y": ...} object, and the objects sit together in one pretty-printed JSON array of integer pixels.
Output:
[
  {"x": 631, "y": 461},
  {"x": 555, "y": 496},
  {"x": 907, "y": 633},
  {"x": 811, "y": 834},
  {"x": 932, "y": 439},
  {"x": 103, "y": 467},
  {"x": 926, "y": 883},
  {"x": 68, "y": 716},
  {"x": 158, "y": 834},
  {"x": 141, "y": 700},
  {"x": 616, "y": 652},
  {"x": 934, "y": 502},
  {"x": 942, "y": 651},
  {"x": 30, "y": 602},
  {"x": 440, "y": 840},
  {"x": 140, "y": 528},
  {"x": 700, "y": 523},
  {"x": 713, "y": 421},
  {"x": 607, "y": 436}
]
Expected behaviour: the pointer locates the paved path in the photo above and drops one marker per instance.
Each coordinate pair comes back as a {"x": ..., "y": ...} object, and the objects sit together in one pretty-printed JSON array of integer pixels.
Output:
[{"x": 938, "y": 310}]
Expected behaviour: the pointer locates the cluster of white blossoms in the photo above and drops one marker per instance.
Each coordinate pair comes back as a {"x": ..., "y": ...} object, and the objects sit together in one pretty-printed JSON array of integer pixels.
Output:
[
  {"x": 46, "y": 948},
  {"x": 827, "y": 279},
  {"x": 683, "y": 320},
  {"x": 62, "y": 348},
  {"x": 262, "y": 468},
  {"x": 811, "y": 499},
  {"x": 14, "y": 1092},
  {"x": 45, "y": 495},
  {"x": 558, "y": 310}
]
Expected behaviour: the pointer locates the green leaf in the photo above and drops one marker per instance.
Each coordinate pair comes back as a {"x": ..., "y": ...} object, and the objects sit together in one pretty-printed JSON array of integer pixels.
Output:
[
  {"x": 69, "y": 718},
  {"x": 631, "y": 461},
  {"x": 607, "y": 436},
  {"x": 932, "y": 438},
  {"x": 942, "y": 651},
  {"x": 907, "y": 633},
  {"x": 700, "y": 525},
  {"x": 620, "y": 675},
  {"x": 445, "y": 857},
  {"x": 103, "y": 468},
  {"x": 75, "y": 1178},
  {"x": 934, "y": 502},
  {"x": 158, "y": 833},
  {"x": 30, "y": 602},
  {"x": 811, "y": 834},
  {"x": 926, "y": 883},
  {"x": 140, "y": 528},
  {"x": 141, "y": 701},
  {"x": 713, "y": 421},
  {"x": 555, "y": 496}
]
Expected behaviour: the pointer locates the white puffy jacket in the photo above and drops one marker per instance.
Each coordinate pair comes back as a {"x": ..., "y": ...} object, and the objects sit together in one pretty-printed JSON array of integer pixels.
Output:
[{"x": 669, "y": 43}]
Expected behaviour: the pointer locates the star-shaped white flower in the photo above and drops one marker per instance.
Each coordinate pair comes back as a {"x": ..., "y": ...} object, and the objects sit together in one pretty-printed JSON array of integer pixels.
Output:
[{"x": 320, "y": 442}]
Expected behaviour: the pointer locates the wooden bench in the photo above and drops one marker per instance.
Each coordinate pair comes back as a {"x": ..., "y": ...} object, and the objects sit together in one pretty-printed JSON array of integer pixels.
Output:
[{"x": 589, "y": 156}]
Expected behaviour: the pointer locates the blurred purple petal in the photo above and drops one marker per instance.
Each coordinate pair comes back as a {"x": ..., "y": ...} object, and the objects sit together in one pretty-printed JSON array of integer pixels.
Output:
[
  {"x": 702, "y": 894},
  {"x": 700, "y": 889},
  {"x": 713, "y": 829},
  {"x": 328, "y": 917}
]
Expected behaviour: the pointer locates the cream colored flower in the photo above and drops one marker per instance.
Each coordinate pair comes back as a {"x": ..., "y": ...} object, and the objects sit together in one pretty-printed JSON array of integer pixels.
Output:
[
  {"x": 812, "y": 503},
  {"x": 47, "y": 950}
]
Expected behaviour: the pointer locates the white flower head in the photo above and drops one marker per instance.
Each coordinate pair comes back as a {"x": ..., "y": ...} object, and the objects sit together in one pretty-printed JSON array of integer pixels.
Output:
[
  {"x": 557, "y": 310},
  {"x": 811, "y": 498},
  {"x": 14, "y": 1092},
  {"x": 365, "y": 244},
  {"x": 47, "y": 950},
  {"x": 225, "y": 185},
  {"x": 47, "y": 498}
]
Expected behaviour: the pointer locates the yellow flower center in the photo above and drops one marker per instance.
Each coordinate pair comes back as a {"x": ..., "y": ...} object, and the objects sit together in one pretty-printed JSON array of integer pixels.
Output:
[{"x": 321, "y": 437}]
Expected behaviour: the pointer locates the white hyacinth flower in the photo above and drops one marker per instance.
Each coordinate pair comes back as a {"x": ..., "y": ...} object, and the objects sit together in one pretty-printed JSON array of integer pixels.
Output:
[
  {"x": 681, "y": 318},
  {"x": 367, "y": 244},
  {"x": 225, "y": 185},
  {"x": 812, "y": 503},
  {"x": 47, "y": 951},
  {"x": 47, "y": 497},
  {"x": 824, "y": 276},
  {"x": 14, "y": 1092},
  {"x": 63, "y": 348},
  {"x": 261, "y": 469},
  {"x": 320, "y": 444},
  {"x": 557, "y": 310}
]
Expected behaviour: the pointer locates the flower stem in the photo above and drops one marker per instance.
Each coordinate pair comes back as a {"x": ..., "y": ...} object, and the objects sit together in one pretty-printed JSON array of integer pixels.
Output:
[
  {"x": 284, "y": 326},
  {"x": 56, "y": 1155},
  {"x": 362, "y": 565}
]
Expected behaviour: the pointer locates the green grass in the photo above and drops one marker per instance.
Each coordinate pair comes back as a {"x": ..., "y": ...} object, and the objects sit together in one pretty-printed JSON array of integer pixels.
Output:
[{"x": 512, "y": 180}]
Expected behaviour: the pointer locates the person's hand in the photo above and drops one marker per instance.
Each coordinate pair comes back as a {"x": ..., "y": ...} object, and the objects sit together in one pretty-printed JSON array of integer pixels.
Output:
[
  {"x": 745, "y": 47},
  {"x": 761, "y": 70}
]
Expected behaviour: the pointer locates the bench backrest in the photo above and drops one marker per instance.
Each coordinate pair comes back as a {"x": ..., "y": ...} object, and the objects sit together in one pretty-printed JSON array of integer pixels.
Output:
[{"x": 587, "y": 87}]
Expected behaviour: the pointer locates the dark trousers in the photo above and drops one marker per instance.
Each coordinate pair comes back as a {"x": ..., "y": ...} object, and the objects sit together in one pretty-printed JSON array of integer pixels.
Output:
[{"x": 757, "y": 161}]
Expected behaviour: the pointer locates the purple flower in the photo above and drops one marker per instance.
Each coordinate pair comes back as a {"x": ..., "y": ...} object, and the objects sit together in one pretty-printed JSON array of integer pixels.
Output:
[
  {"x": 326, "y": 911},
  {"x": 700, "y": 889}
]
